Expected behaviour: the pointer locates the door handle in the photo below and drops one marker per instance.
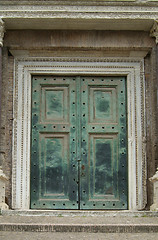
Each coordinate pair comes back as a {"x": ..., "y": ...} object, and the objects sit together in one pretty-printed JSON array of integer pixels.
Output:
[
  {"x": 83, "y": 167},
  {"x": 82, "y": 171}
]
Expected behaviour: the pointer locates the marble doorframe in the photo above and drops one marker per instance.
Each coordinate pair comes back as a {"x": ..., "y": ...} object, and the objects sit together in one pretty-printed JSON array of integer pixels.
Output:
[{"x": 131, "y": 67}]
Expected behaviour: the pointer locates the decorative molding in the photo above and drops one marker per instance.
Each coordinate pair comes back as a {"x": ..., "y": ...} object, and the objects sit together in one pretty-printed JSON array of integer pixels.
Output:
[
  {"x": 132, "y": 68},
  {"x": 131, "y": 15},
  {"x": 2, "y": 30},
  {"x": 77, "y": 3},
  {"x": 84, "y": 13},
  {"x": 154, "y": 31}
]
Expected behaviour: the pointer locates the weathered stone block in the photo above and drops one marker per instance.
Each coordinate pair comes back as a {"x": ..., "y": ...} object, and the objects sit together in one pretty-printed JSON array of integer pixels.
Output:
[
  {"x": 154, "y": 179},
  {"x": 3, "y": 179}
]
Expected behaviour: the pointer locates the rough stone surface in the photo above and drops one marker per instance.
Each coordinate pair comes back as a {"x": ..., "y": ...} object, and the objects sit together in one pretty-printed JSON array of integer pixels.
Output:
[
  {"x": 151, "y": 120},
  {"x": 75, "y": 236},
  {"x": 6, "y": 121},
  {"x": 3, "y": 180},
  {"x": 79, "y": 224},
  {"x": 60, "y": 219},
  {"x": 154, "y": 180}
]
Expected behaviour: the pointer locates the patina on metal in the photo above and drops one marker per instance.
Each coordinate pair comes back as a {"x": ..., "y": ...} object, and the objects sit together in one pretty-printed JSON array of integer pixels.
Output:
[{"x": 79, "y": 143}]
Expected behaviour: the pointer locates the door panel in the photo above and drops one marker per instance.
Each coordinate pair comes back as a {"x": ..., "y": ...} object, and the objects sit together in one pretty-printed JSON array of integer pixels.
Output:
[
  {"x": 79, "y": 158},
  {"x": 103, "y": 182},
  {"x": 53, "y": 162}
]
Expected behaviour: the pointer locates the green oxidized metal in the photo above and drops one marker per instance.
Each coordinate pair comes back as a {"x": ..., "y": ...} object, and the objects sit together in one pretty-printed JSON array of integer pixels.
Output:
[{"x": 79, "y": 143}]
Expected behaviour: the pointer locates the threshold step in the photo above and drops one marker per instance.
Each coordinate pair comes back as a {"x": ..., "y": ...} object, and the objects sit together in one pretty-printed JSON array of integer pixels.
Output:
[{"x": 79, "y": 213}]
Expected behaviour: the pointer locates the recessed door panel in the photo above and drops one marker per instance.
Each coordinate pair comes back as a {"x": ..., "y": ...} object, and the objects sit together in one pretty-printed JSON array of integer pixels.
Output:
[
  {"x": 79, "y": 146},
  {"x": 55, "y": 102},
  {"x": 103, "y": 100},
  {"x": 55, "y": 165},
  {"x": 103, "y": 169}
]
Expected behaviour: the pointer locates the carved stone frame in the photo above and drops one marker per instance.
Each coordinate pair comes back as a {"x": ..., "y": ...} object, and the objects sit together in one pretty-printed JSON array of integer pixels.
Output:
[{"x": 132, "y": 68}]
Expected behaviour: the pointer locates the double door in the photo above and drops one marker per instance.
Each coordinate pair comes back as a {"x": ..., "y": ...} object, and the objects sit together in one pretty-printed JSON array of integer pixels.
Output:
[{"x": 79, "y": 143}]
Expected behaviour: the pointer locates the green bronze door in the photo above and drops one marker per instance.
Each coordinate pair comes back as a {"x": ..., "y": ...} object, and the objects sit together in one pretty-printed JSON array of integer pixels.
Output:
[{"x": 79, "y": 146}]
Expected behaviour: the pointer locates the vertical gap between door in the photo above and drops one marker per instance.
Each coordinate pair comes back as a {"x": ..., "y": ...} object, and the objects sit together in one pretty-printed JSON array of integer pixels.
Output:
[{"x": 78, "y": 105}]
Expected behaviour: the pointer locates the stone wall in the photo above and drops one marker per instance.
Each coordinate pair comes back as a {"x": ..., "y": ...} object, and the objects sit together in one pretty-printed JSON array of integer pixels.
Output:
[
  {"x": 151, "y": 119},
  {"x": 6, "y": 120}
]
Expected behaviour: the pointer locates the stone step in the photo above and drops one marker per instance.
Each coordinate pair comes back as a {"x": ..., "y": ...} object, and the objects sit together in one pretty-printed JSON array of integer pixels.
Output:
[
  {"x": 89, "y": 228},
  {"x": 79, "y": 221},
  {"x": 79, "y": 213}
]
